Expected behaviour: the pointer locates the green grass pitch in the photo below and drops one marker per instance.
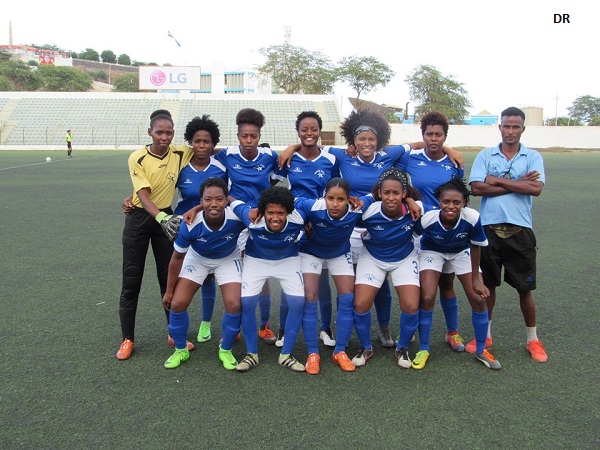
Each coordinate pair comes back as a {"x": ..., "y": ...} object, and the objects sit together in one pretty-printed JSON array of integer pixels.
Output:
[{"x": 61, "y": 386}]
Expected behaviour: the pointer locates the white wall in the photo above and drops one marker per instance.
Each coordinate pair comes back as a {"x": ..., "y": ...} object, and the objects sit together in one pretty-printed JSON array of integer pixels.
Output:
[{"x": 489, "y": 135}]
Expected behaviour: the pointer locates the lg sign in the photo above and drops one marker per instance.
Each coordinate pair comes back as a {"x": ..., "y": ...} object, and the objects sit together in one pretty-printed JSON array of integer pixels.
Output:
[
  {"x": 158, "y": 78},
  {"x": 180, "y": 78}
]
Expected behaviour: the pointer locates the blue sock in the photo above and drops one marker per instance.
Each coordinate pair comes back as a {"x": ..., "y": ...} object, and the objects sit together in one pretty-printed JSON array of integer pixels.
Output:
[
  {"x": 362, "y": 324},
  {"x": 310, "y": 324},
  {"x": 480, "y": 326},
  {"x": 325, "y": 301},
  {"x": 264, "y": 303},
  {"x": 249, "y": 323},
  {"x": 230, "y": 328},
  {"x": 425, "y": 321},
  {"x": 344, "y": 322},
  {"x": 178, "y": 328},
  {"x": 209, "y": 294},
  {"x": 293, "y": 322},
  {"x": 383, "y": 304},
  {"x": 450, "y": 308},
  {"x": 408, "y": 325},
  {"x": 283, "y": 310}
]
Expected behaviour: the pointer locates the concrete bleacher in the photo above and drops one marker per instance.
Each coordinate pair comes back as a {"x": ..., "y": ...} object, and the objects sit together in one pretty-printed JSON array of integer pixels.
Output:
[{"x": 118, "y": 119}]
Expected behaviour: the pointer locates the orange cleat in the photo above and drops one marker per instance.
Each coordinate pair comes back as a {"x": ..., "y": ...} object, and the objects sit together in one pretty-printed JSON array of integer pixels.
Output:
[
  {"x": 267, "y": 335},
  {"x": 125, "y": 350},
  {"x": 471, "y": 347},
  {"x": 538, "y": 353},
  {"x": 312, "y": 364},
  {"x": 342, "y": 360},
  {"x": 190, "y": 346}
]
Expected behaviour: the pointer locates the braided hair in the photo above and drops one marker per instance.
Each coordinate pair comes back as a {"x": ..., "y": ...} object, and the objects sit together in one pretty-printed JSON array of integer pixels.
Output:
[{"x": 397, "y": 175}]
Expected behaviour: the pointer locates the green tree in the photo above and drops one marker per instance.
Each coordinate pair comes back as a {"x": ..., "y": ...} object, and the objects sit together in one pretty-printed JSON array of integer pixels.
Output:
[
  {"x": 430, "y": 90},
  {"x": 89, "y": 54},
  {"x": 33, "y": 63},
  {"x": 73, "y": 55},
  {"x": 127, "y": 83},
  {"x": 296, "y": 70},
  {"x": 5, "y": 84},
  {"x": 563, "y": 122},
  {"x": 64, "y": 79},
  {"x": 595, "y": 122},
  {"x": 124, "y": 60},
  {"x": 364, "y": 73},
  {"x": 108, "y": 56},
  {"x": 585, "y": 108},
  {"x": 21, "y": 76},
  {"x": 53, "y": 47}
]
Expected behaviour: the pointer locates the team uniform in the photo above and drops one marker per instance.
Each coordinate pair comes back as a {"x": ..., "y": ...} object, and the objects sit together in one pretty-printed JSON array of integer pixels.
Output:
[
  {"x": 270, "y": 254},
  {"x": 247, "y": 179},
  {"x": 307, "y": 178},
  {"x": 449, "y": 249},
  {"x": 159, "y": 175},
  {"x": 362, "y": 176},
  {"x": 189, "y": 182},
  {"x": 443, "y": 249},
  {"x": 188, "y": 195},
  {"x": 209, "y": 251},
  {"x": 329, "y": 244},
  {"x": 426, "y": 175},
  {"x": 388, "y": 248}
]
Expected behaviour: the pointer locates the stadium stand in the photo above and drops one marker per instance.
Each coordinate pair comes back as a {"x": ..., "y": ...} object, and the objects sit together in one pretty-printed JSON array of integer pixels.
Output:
[{"x": 121, "y": 119}]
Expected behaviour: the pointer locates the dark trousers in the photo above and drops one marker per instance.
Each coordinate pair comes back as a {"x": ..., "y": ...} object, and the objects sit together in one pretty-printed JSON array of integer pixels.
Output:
[{"x": 141, "y": 230}]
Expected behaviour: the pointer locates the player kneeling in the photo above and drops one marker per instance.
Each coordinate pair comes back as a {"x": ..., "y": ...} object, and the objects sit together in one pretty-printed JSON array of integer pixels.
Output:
[
  {"x": 451, "y": 242},
  {"x": 212, "y": 243}
]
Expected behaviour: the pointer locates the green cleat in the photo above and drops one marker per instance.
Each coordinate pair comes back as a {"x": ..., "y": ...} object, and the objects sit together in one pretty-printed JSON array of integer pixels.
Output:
[
  {"x": 177, "y": 358},
  {"x": 420, "y": 359},
  {"x": 227, "y": 358},
  {"x": 204, "y": 332}
]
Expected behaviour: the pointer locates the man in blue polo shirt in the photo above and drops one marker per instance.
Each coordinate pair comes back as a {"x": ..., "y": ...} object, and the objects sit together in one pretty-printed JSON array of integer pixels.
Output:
[{"x": 507, "y": 177}]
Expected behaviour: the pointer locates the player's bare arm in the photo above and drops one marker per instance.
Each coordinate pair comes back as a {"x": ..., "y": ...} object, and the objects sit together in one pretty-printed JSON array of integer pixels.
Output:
[
  {"x": 174, "y": 270},
  {"x": 285, "y": 157},
  {"x": 528, "y": 185}
]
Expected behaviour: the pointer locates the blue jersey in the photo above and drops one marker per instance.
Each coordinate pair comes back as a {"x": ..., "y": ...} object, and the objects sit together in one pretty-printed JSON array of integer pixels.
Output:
[
  {"x": 248, "y": 178},
  {"x": 362, "y": 175},
  {"x": 209, "y": 243},
  {"x": 388, "y": 240},
  {"x": 468, "y": 230},
  {"x": 427, "y": 174},
  {"x": 330, "y": 237},
  {"x": 189, "y": 182},
  {"x": 307, "y": 177},
  {"x": 265, "y": 244}
]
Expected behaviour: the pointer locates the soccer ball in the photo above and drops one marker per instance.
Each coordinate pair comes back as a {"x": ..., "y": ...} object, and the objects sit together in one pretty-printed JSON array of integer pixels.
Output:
[{"x": 48, "y": 159}]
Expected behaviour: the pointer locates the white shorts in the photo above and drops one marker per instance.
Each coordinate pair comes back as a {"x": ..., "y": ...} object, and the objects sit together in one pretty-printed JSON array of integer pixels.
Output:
[
  {"x": 373, "y": 272},
  {"x": 288, "y": 271},
  {"x": 356, "y": 243},
  {"x": 341, "y": 265},
  {"x": 458, "y": 263},
  {"x": 226, "y": 270}
]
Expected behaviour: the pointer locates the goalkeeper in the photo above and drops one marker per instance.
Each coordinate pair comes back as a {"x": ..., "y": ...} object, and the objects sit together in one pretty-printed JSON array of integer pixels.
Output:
[{"x": 154, "y": 170}]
